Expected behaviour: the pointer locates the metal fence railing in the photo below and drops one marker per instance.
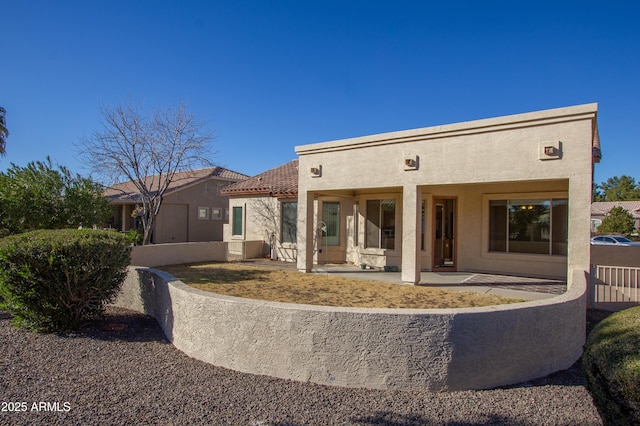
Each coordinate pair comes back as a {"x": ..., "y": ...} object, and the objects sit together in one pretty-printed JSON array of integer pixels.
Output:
[{"x": 613, "y": 285}]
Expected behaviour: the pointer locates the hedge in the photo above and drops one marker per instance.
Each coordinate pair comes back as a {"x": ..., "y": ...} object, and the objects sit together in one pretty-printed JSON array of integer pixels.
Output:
[
  {"x": 54, "y": 280},
  {"x": 611, "y": 364}
]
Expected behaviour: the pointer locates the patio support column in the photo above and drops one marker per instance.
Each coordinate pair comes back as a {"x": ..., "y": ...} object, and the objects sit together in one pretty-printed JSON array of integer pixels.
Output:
[
  {"x": 305, "y": 231},
  {"x": 411, "y": 214},
  {"x": 579, "y": 248}
]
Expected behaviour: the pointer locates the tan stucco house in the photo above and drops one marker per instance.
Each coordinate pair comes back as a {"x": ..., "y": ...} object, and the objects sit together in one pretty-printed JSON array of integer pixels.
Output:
[
  {"x": 265, "y": 208},
  {"x": 193, "y": 209},
  {"x": 508, "y": 195}
]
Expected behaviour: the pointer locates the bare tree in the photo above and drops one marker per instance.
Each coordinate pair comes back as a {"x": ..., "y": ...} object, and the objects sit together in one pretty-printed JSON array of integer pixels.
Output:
[{"x": 147, "y": 150}]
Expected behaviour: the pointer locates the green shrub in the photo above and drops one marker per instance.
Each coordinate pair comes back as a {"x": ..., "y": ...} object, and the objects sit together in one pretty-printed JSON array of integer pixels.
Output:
[
  {"x": 54, "y": 280},
  {"x": 611, "y": 364},
  {"x": 135, "y": 236}
]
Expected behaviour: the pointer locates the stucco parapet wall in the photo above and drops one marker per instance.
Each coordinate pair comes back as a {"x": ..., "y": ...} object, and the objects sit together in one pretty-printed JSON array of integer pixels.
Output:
[
  {"x": 406, "y": 349},
  {"x": 509, "y": 122}
]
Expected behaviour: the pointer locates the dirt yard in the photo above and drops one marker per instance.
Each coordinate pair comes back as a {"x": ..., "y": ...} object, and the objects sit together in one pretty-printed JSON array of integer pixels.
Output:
[{"x": 263, "y": 283}]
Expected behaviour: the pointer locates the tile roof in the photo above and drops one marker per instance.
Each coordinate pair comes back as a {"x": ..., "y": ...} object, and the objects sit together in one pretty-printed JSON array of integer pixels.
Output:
[
  {"x": 127, "y": 191},
  {"x": 281, "y": 181},
  {"x": 601, "y": 208}
]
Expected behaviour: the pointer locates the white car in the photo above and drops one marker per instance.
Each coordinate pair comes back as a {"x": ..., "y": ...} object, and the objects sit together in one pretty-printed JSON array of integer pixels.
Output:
[{"x": 612, "y": 240}]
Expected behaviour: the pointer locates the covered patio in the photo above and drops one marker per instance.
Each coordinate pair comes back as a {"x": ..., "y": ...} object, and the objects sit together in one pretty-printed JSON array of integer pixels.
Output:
[{"x": 507, "y": 195}]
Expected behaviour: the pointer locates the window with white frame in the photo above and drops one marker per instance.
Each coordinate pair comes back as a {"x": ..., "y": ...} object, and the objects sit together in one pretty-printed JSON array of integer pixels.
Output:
[
  {"x": 289, "y": 225},
  {"x": 381, "y": 224},
  {"x": 203, "y": 213},
  {"x": 216, "y": 213},
  {"x": 536, "y": 226},
  {"x": 236, "y": 224}
]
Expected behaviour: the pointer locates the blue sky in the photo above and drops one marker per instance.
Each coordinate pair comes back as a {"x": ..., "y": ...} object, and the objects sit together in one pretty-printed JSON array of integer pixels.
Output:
[{"x": 271, "y": 75}]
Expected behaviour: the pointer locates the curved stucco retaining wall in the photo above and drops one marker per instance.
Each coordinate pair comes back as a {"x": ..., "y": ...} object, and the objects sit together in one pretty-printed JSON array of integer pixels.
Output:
[{"x": 409, "y": 349}]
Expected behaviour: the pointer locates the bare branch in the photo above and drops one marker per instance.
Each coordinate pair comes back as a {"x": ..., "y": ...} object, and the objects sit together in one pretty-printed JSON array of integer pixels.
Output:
[{"x": 147, "y": 150}]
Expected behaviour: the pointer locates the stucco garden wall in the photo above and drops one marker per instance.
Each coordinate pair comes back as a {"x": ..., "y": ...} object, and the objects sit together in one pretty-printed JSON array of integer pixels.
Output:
[
  {"x": 174, "y": 254},
  {"x": 407, "y": 349},
  {"x": 178, "y": 253}
]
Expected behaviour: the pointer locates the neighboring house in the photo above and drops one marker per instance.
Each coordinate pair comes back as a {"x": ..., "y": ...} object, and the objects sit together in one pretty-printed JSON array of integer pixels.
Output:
[
  {"x": 600, "y": 209},
  {"x": 508, "y": 195},
  {"x": 265, "y": 208},
  {"x": 193, "y": 208}
]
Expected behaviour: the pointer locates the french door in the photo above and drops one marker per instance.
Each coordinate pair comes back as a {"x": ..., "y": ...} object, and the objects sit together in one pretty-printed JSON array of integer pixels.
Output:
[{"x": 444, "y": 234}]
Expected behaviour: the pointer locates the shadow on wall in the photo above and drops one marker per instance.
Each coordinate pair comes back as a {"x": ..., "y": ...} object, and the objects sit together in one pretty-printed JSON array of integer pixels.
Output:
[
  {"x": 487, "y": 344},
  {"x": 156, "y": 299}
]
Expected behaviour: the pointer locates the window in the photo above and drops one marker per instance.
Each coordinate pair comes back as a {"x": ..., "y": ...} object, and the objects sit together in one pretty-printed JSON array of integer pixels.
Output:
[
  {"x": 289, "y": 226},
  {"x": 381, "y": 224},
  {"x": 203, "y": 213},
  {"x": 216, "y": 213},
  {"x": 236, "y": 225},
  {"x": 529, "y": 226},
  {"x": 331, "y": 219}
]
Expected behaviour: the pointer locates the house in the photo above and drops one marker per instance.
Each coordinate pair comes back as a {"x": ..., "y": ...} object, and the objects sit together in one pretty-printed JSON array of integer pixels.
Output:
[
  {"x": 600, "y": 209},
  {"x": 265, "y": 208},
  {"x": 504, "y": 195},
  {"x": 193, "y": 208}
]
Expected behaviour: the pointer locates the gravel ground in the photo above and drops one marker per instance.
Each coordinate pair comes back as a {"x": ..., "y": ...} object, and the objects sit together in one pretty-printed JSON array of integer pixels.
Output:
[{"x": 107, "y": 375}]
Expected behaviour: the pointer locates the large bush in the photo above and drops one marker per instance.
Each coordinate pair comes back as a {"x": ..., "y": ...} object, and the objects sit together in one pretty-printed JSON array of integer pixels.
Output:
[
  {"x": 611, "y": 363},
  {"x": 53, "y": 280},
  {"x": 618, "y": 221},
  {"x": 41, "y": 196}
]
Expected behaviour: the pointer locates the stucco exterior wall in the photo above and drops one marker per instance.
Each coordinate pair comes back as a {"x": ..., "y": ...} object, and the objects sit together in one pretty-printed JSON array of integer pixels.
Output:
[
  {"x": 448, "y": 349},
  {"x": 262, "y": 222},
  {"x": 182, "y": 224},
  {"x": 502, "y": 156}
]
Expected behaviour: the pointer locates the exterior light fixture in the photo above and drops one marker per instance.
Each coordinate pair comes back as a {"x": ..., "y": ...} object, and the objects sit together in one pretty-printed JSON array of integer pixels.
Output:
[
  {"x": 316, "y": 171},
  {"x": 411, "y": 162},
  {"x": 550, "y": 150}
]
